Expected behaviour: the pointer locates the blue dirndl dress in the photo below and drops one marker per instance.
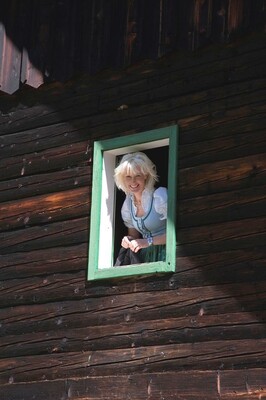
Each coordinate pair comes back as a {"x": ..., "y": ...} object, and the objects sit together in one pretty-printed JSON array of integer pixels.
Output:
[{"x": 151, "y": 224}]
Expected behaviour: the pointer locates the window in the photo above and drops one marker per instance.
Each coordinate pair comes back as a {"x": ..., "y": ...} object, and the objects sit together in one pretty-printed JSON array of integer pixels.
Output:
[{"x": 106, "y": 228}]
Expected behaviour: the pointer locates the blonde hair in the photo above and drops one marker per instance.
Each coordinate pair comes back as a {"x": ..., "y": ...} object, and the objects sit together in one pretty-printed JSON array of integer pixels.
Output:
[{"x": 135, "y": 163}]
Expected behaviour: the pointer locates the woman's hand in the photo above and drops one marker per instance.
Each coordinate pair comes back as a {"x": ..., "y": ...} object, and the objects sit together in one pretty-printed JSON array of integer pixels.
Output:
[
  {"x": 126, "y": 242},
  {"x": 137, "y": 244}
]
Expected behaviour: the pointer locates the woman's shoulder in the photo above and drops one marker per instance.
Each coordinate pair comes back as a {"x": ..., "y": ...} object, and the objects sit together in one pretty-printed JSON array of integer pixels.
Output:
[
  {"x": 160, "y": 201},
  {"x": 161, "y": 193}
]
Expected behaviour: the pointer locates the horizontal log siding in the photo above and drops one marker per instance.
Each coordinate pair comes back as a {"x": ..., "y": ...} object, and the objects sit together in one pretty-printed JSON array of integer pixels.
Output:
[{"x": 196, "y": 334}]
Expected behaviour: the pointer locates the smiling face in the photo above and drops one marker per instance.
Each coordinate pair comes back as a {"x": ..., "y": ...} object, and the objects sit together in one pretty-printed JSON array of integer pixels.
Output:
[{"x": 135, "y": 182}]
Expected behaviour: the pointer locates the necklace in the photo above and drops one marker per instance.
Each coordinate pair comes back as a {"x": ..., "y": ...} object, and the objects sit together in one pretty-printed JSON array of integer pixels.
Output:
[{"x": 137, "y": 203}]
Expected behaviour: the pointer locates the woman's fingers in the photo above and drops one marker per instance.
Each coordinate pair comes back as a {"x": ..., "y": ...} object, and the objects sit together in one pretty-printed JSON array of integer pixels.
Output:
[
  {"x": 126, "y": 243},
  {"x": 135, "y": 245}
]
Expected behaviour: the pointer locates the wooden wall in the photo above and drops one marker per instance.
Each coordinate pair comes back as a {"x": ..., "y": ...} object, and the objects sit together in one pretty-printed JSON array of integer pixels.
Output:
[
  {"x": 195, "y": 334},
  {"x": 54, "y": 40}
]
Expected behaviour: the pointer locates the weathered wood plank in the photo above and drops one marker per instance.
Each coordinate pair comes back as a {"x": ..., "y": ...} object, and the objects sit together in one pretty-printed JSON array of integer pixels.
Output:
[
  {"x": 49, "y": 111},
  {"x": 69, "y": 156},
  {"x": 63, "y": 233},
  {"x": 172, "y": 108},
  {"x": 45, "y": 183},
  {"x": 188, "y": 329},
  {"x": 223, "y": 124},
  {"x": 59, "y": 287},
  {"x": 222, "y": 207},
  {"x": 66, "y": 133},
  {"x": 172, "y": 111},
  {"x": 28, "y": 264},
  {"x": 226, "y": 236},
  {"x": 221, "y": 354},
  {"x": 222, "y": 176},
  {"x": 44, "y": 137},
  {"x": 201, "y": 73},
  {"x": 221, "y": 271},
  {"x": 245, "y": 265},
  {"x": 159, "y": 85},
  {"x": 220, "y": 149},
  {"x": 60, "y": 260},
  {"x": 247, "y": 384},
  {"x": 177, "y": 385},
  {"x": 43, "y": 209},
  {"x": 136, "y": 386}
]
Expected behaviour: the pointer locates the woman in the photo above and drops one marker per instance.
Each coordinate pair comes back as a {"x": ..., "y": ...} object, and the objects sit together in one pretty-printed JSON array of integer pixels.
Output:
[{"x": 144, "y": 210}]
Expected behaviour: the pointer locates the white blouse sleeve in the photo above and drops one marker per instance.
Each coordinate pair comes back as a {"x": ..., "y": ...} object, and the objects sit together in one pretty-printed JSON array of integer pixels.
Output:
[
  {"x": 160, "y": 201},
  {"x": 126, "y": 213}
]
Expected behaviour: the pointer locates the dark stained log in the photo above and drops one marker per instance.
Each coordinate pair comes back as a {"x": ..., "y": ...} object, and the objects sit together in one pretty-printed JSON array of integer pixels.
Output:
[
  {"x": 233, "y": 64},
  {"x": 177, "y": 385},
  {"x": 61, "y": 259},
  {"x": 250, "y": 202},
  {"x": 222, "y": 176},
  {"x": 114, "y": 116},
  {"x": 43, "y": 209},
  {"x": 230, "y": 354},
  {"x": 46, "y": 113},
  {"x": 44, "y": 137},
  {"x": 221, "y": 125},
  {"x": 191, "y": 384},
  {"x": 135, "y": 334},
  {"x": 217, "y": 270},
  {"x": 51, "y": 331},
  {"x": 245, "y": 265},
  {"x": 174, "y": 107},
  {"x": 235, "y": 146},
  {"x": 137, "y": 386},
  {"x": 68, "y": 286},
  {"x": 69, "y": 156},
  {"x": 64, "y": 233},
  {"x": 230, "y": 235},
  {"x": 248, "y": 384},
  {"x": 45, "y": 183}
]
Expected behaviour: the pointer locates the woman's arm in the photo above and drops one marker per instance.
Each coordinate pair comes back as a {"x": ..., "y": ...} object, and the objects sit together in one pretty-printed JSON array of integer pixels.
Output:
[{"x": 137, "y": 244}]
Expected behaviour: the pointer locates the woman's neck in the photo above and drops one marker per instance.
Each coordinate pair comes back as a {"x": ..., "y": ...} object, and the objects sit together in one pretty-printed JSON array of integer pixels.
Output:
[{"x": 137, "y": 199}]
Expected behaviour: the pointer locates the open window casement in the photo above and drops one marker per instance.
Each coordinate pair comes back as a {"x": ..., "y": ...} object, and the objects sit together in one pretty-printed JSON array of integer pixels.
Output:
[{"x": 106, "y": 228}]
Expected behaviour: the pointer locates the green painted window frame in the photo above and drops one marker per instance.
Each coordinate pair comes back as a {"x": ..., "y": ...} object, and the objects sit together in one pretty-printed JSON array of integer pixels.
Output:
[{"x": 108, "y": 150}]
